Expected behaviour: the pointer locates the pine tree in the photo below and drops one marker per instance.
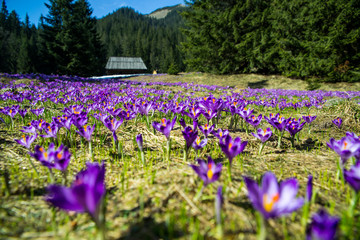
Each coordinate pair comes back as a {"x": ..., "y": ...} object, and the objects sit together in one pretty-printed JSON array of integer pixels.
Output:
[
  {"x": 4, "y": 39},
  {"x": 71, "y": 38}
]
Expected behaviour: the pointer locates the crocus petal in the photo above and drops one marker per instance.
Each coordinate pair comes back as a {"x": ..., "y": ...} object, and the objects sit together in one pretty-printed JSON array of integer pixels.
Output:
[
  {"x": 63, "y": 198},
  {"x": 254, "y": 193}
]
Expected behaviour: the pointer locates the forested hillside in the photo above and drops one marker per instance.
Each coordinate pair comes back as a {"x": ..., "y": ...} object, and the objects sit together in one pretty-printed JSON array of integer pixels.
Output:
[
  {"x": 67, "y": 40},
  {"x": 297, "y": 38},
  {"x": 128, "y": 33}
]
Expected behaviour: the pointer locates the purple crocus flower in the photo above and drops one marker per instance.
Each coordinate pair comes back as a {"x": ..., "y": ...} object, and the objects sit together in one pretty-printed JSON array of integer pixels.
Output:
[
  {"x": 29, "y": 129},
  {"x": 323, "y": 226},
  {"x": 263, "y": 135},
  {"x": 308, "y": 119},
  {"x": 232, "y": 148},
  {"x": 209, "y": 172},
  {"x": 100, "y": 116},
  {"x": 278, "y": 123},
  {"x": 65, "y": 121},
  {"x": 219, "y": 201},
  {"x": 85, "y": 194},
  {"x": 309, "y": 189},
  {"x": 352, "y": 177},
  {"x": 23, "y": 112},
  {"x": 39, "y": 125},
  {"x": 272, "y": 199},
  {"x": 199, "y": 144},
  {"x": 206, "y": 130},
  {"x": 254, "y": 121},
  {"x": 145, "y": 108},
  {"x": 337, "y": 122},
  {"x": 86, "y": 131},
  {"x": 79, "y": 120},
  {"x": 74, "y": 109},
  {"x": 193, "y": 113},
  {"x": 293, "y": 127},
  {"x": 127, "y": 115},
  {"x": 209, "y": 114},
  {"x": 220, "y": 133},
  {"x": 11, "y": 111},
  {"x": 346, "y": 147},
  {"x": 139, "y": 140},
  {"x": 26, "y": 141},
  {"x": 51, "y": 130},
  {"x": 52, "y": 158},
  {"x": 245, "y": 113},
  {"x": 165, "y": 126},
  {"x": 37, "y": 112},
  {"x": 182, "y": 122},
  {"x": 113, "y": 124},
  {"x": 190, "y": 136}
]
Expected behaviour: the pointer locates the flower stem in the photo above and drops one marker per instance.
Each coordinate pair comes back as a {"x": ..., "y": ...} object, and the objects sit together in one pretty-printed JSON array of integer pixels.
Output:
[
  {"x": 231, "y": 122},
  {"x": 168, "y": 151},
  {"x": 285, "y": 230},
  {"x": 349, "y": 230},
  {"x": 186, "y": 151},
  {"x": 279, "y": 139},
  {"x": 261, "y": 227},
  {"x": 52, "y": 179},
  {"x": 305, "y": 216},
  {"x": 12, "y": 123},
  {"x": 262, "y": 147},
  {"x": 199, "y": 192},
  {"x": 340, "y": 171},
  {"x": 90, "y": 151},
  {"x": 236, "y": 121},
  {"x": 229, "y": 171},
  {"x": 353, "y": 203},
  {"x": 114, "y": 145},
  {"x": 293, "y": 141},
  {"x": 143, "y": 158},
  {"x": 32, "y": 164}
]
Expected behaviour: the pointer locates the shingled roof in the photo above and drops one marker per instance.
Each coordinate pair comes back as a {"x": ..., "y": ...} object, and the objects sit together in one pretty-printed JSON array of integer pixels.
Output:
[{"x": 125, "y": 63}]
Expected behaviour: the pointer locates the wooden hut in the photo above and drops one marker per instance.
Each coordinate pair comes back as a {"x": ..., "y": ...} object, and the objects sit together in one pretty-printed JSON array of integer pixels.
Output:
[{"x": 125, "y": 65}]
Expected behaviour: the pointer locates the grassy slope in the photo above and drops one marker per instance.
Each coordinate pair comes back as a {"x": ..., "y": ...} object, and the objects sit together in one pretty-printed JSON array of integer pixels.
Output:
[
  {"x": 157, "y": 202},
  {"x": 241, "y": 81}
]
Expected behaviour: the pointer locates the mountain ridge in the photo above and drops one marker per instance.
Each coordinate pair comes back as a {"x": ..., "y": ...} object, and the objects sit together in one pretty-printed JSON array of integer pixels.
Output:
[{"x": 164, "y": 11}]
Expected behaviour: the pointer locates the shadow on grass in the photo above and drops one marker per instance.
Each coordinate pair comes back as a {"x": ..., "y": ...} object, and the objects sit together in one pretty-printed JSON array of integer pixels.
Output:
[
  {"x": 148, "y": 228},
  {"x": 31, "y": 191},
  {"x": 308, "y": 145},
  {"x": 258, "y": 84}
]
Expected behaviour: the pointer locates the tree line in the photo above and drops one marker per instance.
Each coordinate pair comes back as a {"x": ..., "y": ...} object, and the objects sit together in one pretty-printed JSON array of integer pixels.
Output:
[
  {"x": 69, "y": 40},
  {"x": 128, "y": 33},
  {"x": 296, "y": 38}
]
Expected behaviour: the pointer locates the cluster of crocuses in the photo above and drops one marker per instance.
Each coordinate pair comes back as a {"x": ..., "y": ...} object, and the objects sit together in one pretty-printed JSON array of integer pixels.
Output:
[
  {"x": 273, "y": 200},
  {"x": 112, "y": 102},
  {"x": 347, "y": 148}
]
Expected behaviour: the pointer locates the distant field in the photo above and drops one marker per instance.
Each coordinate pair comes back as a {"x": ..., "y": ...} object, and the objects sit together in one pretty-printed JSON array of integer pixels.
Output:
[{"x": 241, "y": 81}]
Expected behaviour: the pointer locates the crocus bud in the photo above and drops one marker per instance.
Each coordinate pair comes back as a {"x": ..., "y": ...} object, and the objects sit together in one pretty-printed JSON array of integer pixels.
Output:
[{"x": 139, "y": 140}]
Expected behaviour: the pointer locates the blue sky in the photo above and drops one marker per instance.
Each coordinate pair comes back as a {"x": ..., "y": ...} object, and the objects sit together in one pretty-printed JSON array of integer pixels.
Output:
[{"x": 35, "y": 8}]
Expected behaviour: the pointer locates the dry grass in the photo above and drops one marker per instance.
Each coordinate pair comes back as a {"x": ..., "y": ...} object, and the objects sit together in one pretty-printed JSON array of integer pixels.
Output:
[{"x": 242, "y": 81}]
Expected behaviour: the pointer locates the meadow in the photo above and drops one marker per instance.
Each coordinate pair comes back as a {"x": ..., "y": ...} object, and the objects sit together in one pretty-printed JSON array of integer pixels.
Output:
[{"x": 119, "y": 158}]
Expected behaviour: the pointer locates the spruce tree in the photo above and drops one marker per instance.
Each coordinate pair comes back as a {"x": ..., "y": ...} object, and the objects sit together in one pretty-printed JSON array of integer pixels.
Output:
[
  {"x": 71, "y": 39},
  {"x": 4, "y": 39}
]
